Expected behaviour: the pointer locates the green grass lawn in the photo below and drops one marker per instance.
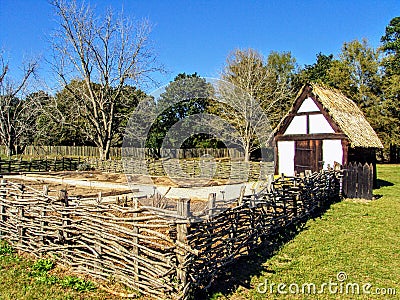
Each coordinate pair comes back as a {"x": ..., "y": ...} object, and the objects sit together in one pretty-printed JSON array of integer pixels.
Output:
[
  {"x": 23, "y": 278},
  {"x": 359, "y": 238}
]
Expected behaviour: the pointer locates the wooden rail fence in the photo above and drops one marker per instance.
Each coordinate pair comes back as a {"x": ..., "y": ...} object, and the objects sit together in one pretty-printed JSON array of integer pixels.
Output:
[{"x": 167, "y": 256}]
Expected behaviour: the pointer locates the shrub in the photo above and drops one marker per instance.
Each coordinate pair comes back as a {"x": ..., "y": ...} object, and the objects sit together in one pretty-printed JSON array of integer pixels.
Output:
[
  {"x": 5, "y": 248},
  {"x": 84, "y": 167},
  {"x": 77, "y": 284}
]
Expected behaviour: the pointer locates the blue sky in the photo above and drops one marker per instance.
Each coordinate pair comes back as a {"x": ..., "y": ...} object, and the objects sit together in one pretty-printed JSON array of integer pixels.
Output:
[{"x": 196, "y": 36}]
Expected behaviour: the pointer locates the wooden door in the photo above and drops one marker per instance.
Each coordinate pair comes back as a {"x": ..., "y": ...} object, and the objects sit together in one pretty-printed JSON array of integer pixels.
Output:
[{"x": 308, "y": 156}]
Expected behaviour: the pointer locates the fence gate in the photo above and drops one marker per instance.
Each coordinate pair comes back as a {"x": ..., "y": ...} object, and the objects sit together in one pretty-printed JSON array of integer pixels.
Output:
[{"x": 358, "y": 180}]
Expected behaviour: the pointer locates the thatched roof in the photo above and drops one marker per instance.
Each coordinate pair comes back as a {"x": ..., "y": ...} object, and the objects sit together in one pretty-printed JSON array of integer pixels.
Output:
[{"x": 345, "y": 113}]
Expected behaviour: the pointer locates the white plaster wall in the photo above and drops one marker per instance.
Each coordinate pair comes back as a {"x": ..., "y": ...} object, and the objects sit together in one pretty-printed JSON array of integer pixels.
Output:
[
  {"x": 318, "y": 124},
  {"x": 297, "y": 126},
  {"x": 332, "y": 151},
  {"x": 308, "y": 105},
  {"x": 286, "y": 157}
]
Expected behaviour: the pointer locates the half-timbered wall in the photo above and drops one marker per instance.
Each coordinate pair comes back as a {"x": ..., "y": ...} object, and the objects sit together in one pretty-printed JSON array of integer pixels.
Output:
[
  {"x": 307, "y": 142},
  {"x": 286, "y": 157},
  {"x": 332, "y": 151},
  {"x": 309, "y": 120}
]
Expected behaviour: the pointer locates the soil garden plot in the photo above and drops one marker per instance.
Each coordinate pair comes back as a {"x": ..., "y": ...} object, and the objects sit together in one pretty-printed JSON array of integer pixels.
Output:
[
  {"x": 77, "y": 184},
  {"x": 91, "y": 187}
]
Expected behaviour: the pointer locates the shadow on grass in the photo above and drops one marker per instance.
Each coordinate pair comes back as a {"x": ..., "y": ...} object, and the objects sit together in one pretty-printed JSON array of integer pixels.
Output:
[
  {"x": 243, "y": 269},
  {"x": 382, "y": 183}
]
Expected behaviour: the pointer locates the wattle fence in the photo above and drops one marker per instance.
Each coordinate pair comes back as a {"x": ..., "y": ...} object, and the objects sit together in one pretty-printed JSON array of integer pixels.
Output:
[
  {"x": 164, "y": 255},
  {"x": 189, "y": 168},
  {"x": 115, "y": 152},
  {"x": 8, "y": 166}
]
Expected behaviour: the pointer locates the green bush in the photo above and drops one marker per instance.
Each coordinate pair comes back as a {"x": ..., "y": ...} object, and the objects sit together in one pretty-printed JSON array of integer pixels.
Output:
[
  {"x": 77, "y": 284},
  {"x": 84, "y": 167},
  {"x": 43, "y": 265},
  {"x": 5, "y": 248}
]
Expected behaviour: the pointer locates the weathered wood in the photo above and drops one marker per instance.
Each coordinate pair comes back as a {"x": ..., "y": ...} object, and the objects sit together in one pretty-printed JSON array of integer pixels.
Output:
[
  {"x": 135, "y": 240},
  {"x": 99, "y": 198},
  {"x": 183, "y": 209},
  {"x": 212, "y": 197},
  {"x": 241, "y": 195},
  {"x": 358, "y": 181}
]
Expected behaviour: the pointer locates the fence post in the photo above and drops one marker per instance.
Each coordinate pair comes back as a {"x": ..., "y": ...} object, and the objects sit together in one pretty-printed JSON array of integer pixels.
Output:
[
  {"x": 46, "y": 190},
  {"x": 295, "y": 198},
  {"x": 183, "y": 209},
  {"x": 99, "y": 198},
  {"x": 63, "y": 196},
  {"x": 135, "y": 241},
  {"x": 211, "y": 204},
  {"x": 253, "y": 198},
  {"x": 241, "y": 195}
]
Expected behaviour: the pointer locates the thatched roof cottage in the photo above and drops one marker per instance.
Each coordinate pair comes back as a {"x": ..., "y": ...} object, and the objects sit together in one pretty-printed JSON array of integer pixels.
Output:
[{"x": 323, "y": 127}]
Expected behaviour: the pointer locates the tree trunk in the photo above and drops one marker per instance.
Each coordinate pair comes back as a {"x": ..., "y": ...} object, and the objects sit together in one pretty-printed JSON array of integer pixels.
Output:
[
  {"x": 104, "y": 150},
  {"x": 247, "y": 153},
  {"x": 10, "y": 147},
  {"x": 9, "y": 151},
  {"x": 102, "y": 153},
  {"x": 107, "y": 150}
]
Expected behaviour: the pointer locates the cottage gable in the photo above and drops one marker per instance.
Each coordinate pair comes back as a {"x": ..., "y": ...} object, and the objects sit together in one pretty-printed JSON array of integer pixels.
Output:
[
  {"x": 308, "y": 105},
  {"x": 308, "y": 119}
]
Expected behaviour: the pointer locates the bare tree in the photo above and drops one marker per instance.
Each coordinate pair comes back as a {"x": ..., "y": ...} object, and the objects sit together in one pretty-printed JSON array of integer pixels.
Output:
[
  {"x": 244, "y": 114},
  {"x": 106, "y": 54},
  {"x": 262, "y": 92},
  {"x": 269, "y": 81},
  {"x": 17, "y": 115}
]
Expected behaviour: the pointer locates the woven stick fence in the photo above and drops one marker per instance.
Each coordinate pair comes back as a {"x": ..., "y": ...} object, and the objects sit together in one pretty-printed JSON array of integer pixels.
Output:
[
  {"x": 39, "y": 165},
  {"x": 163, "y": 257},
  {"x": 189, "y": 168},
  {"x": 183, "y": 168},
  {"x": 89, "y": 151}
]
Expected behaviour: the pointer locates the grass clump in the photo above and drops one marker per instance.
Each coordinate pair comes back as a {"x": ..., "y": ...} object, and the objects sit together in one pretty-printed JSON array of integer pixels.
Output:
[
  {"x": 5, "y": 248},
  {"x": 77, "y": 284},
  {"x": 40, "y": 272}
]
